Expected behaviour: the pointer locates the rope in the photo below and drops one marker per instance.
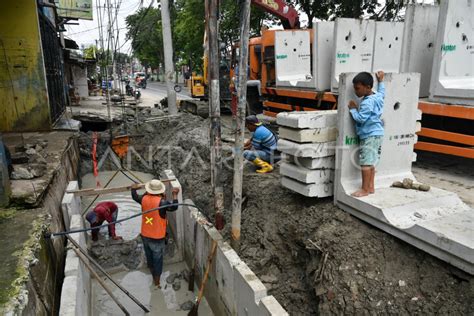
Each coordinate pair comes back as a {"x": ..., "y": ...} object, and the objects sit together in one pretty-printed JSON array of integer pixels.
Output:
[{"x": 67, "y": 232}]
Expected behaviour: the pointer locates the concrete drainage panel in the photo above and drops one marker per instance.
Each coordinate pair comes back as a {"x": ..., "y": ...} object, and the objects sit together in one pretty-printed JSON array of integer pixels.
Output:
[
  {"x": 232, "y": 288},
  {"x": 436, "y": 221}
]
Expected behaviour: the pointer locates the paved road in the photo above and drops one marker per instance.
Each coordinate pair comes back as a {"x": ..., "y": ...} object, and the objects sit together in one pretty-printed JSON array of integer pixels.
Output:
[{"x": 156, "y": 91}]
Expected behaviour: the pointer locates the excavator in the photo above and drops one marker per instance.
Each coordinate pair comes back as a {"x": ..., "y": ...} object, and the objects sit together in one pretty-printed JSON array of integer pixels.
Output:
[{"x": 198, "y": 84}]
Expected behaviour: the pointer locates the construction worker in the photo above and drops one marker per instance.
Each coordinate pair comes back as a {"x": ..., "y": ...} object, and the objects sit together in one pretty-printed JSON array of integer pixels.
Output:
[
  {"x": 104, "y": 211},
  {"x": 261, "y": 147},
  {"x": 153, "y": 229}
]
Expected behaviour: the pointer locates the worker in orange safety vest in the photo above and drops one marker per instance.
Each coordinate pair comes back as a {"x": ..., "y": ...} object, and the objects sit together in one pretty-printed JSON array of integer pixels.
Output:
[{"x": 153, "y": 229}]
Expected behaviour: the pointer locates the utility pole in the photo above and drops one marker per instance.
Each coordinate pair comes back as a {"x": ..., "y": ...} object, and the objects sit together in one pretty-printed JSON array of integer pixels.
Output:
[
  {"x": 168, "y": 50},
  {"x": 212, "y": 10},
  {"x": 240, "y": 123}
]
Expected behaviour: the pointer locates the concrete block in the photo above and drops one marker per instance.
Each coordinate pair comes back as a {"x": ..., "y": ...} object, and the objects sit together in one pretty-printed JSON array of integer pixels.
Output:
[
  {"x": 302, "y": 174},
  {"x": 312, "y": 190},
  {"x": 71, "y": 266},
  {"x": 226, "y": 260},
  {"x": 248, "y": 290},
  {"x": 316, "y": 135},
  {"x": 70, "y": 204},
  {"x": 310, "y": 119},
  {"x": 68, "y": 296},
  {"x": 316, "y": 150},
  {"x": 311, "y": 163},
  {"x": 78, "y": 223},
  {"x": 269, "y": 306}
]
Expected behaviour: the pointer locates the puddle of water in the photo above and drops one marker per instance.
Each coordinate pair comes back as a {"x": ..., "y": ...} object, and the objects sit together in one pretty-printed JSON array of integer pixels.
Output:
[
  {"x": 127, "y": 206},
  {"x": 164, "y": 302}
]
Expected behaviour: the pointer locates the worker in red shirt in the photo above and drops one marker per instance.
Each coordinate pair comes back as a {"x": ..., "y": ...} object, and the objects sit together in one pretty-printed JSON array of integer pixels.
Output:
[{"x": 104, "y": 211}]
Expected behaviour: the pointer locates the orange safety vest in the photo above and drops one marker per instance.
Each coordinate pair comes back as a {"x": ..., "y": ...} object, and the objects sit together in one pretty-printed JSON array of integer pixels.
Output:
[{"x": 153, "y": 225}]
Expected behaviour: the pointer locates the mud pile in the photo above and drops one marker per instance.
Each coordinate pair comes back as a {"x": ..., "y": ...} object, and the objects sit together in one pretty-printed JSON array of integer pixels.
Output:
[{"x": 313, "y": 257}]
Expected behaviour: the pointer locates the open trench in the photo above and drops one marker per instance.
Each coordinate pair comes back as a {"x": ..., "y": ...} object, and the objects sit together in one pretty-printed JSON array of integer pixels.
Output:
[
  {"x": 126, "y": 262},
  {"x": 313, "y": 257}
]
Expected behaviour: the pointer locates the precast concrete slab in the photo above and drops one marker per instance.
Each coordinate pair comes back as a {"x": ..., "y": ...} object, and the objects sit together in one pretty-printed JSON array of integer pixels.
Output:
[
  {"x": 353, "y": 47},
  {"x": 452, "y": 78},
  {"x": 436, "y": 221},
  {"x": 315, "y": 150},
  {"x": 302, "y": 174},
  {"x": 419, "y": 35},
  {"x": 313, "y": 119},
  {"x": 311, "y": 190},
  {"x": 314, "y": 135},
  {"x": 311, "y": 163}
]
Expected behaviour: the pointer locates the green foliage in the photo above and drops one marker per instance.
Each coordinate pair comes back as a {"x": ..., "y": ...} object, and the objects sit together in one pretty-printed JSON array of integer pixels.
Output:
[
  {"x": 144, "y": 30},
  {"x": 188, "y": 32},
  {"x": 331, "y": 9}
]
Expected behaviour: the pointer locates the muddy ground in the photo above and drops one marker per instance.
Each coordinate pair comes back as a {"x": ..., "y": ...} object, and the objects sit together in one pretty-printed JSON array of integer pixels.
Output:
[{"x": 313, "y": 257}]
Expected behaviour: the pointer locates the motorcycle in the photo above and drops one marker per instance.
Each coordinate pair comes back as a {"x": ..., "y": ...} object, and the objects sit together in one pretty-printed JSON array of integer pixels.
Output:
[
  {"x": 137, "y": 94},
  {"x": 129, "y": 90},
  {"x": 142, "y": 84}
]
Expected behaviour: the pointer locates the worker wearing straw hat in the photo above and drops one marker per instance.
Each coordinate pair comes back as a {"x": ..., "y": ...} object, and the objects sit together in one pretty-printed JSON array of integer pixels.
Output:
[{"x": 153, "y": 229}]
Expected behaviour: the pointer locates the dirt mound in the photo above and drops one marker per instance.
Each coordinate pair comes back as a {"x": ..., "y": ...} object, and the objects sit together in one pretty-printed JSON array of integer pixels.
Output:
[{"x": 313, "y": 257}]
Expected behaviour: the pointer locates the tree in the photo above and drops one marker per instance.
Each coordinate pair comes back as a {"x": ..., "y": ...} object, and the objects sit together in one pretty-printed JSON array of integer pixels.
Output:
[
  {"x": 332, "y": 9},
  {"x": 144, "y": 30}
]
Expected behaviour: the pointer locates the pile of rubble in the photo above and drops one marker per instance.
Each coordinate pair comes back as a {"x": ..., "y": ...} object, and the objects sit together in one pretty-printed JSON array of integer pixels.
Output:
[{"x": 29, "y": 161}]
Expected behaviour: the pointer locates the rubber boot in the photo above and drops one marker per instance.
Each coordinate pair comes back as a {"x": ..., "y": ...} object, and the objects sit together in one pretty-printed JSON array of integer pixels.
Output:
[{"x": 264, "y": 166}]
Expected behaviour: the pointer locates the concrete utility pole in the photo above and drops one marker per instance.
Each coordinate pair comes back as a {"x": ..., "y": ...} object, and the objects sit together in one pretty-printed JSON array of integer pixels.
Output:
[
  {"x": 212, "y": 10},
  {"x": 240, "y": 123},
  {"x": 168, "y": 50}
]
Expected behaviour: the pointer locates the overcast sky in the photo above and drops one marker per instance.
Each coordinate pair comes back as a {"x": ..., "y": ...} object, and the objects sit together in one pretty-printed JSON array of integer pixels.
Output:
[{"x": 87, "y": 32}]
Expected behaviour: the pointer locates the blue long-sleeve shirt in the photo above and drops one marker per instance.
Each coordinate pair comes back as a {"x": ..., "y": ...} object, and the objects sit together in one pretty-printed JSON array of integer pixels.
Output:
[
  {"x": 368, "y": 117},
  {"x": 263, "y": 139}
]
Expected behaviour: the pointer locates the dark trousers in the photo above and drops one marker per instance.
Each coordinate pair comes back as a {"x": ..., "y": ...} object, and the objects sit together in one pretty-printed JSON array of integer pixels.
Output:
[{"x": 154, "y": 251}]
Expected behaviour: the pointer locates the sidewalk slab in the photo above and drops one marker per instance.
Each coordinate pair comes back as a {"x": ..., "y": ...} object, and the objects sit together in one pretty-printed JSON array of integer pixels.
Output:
[
  {"x": 312, "y": 119},
  {"x": 306, "y": 150},
  {"x": 311, "y": 190},
  {"x": 328, "y": 162},
  {"x": 315, "y": 135},
  {"x": 302, "y": 174}
]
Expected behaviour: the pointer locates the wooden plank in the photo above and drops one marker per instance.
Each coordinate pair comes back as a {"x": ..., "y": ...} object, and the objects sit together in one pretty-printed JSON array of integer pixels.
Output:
[
  {"x": 446, "y": 149},
  {"x": 101, "y": 191},
  {"x": 448, "y": 136},
  {"x": 287, "y": 107},
  {"x": 269, "y": 113},
  {"x": 300, "y": 94},
  {"x": 448, "y": 110}
]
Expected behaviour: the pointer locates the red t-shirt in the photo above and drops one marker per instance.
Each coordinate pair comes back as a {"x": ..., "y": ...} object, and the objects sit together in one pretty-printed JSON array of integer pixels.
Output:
[{"x": 104, "y": 211}]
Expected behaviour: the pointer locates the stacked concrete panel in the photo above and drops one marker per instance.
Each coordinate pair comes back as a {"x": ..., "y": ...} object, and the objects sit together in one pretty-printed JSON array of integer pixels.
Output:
[
  {"x": 307, "y": 143},
  {"x": 418, "y": 48},
  {"x": 452, "y": 79},
  {"x": 353, "y": 48}
]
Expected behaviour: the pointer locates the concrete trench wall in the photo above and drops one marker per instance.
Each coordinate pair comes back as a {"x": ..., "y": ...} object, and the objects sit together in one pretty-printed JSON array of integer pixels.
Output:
[
  {"x": 42, "y": 259},
  {"x": 232, "y": 288},
  {"x": 76, "y": 290}
]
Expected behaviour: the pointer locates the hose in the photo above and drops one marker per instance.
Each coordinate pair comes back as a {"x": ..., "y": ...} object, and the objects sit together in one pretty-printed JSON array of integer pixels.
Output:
[{"x": 75, "y": 231}]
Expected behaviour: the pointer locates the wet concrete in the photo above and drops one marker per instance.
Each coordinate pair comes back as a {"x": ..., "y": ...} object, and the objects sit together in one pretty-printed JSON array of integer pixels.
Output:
[
  {"x": 164, "y": 302},
  {"x": 130, "y": 229}
]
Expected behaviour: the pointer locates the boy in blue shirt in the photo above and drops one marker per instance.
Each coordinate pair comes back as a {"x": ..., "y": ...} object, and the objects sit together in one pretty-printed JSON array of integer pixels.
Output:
[{"x": 369, "y": 126}]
